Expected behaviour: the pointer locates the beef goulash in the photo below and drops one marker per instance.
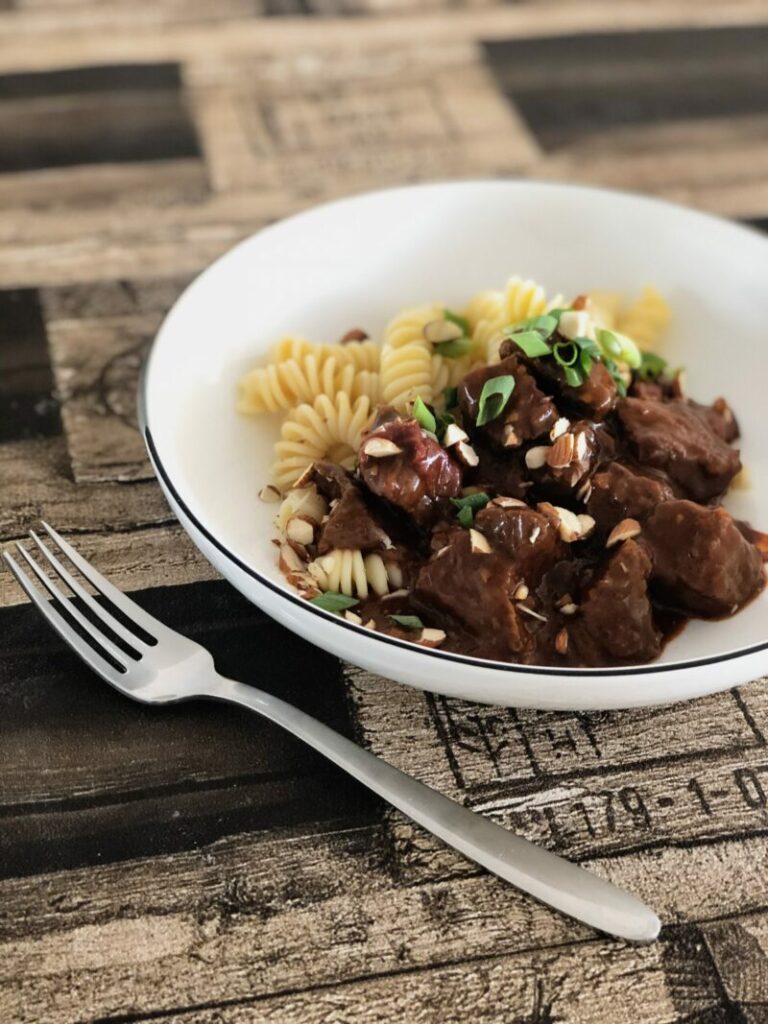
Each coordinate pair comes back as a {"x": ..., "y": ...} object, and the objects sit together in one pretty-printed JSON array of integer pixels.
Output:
[{"x": 558, "y": 507}]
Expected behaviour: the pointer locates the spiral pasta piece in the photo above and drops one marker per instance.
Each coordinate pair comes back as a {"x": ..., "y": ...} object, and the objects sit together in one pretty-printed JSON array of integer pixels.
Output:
[
  {"x": 328, "y": 429},
  {"x": 350, "y": 572},
  {"x": 645, "y": 319},
  {"x": 407, "y": 327},
  {"x": 523, "y": 299},
  {"x": 368, "y": 383},
  {"x": 405, "y": 373},
  {"x": 604, "y": 308},
  {"x": 282, "y": 385}
]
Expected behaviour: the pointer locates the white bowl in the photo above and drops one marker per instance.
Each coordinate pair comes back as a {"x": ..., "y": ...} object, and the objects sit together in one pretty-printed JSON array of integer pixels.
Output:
[{"x": 358, "y": 261}]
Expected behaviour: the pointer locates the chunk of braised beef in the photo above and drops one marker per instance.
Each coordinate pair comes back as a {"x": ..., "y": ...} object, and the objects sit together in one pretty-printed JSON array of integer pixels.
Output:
[
  {"x": 528, "y": 537},
  {"x": 472, "y": 588},
  {"x": 528, "y": 414},
  {"x": 352, "y": 524},
  {"x": 594, "y": 399},
  {"x": 330, "y": 479},
  {"x": 615, "y": 621},
  {"x": 674, "y": 437},
  {"x": 702, "y": 563},
  {"x": 500, "y": 473},
  {"x": 620, "y": 492},
  {"x": 419, "y": 478},
  {"x": 719, "y": 417}
]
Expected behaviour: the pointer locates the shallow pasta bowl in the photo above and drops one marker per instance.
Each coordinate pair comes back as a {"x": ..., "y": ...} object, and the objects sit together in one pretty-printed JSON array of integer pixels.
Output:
[{"x": 358, "y": 261}]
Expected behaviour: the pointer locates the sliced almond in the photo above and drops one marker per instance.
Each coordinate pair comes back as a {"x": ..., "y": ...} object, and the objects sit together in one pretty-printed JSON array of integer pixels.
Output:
[
  {"x": 569, "y": 609},
  {"x": 511, "y": 440},
  {"x": 438, "y": 331},
  {"x": 270, "y": 494},
  {"x": 569, "y": 526},
  {"x": 581, "y": 445},
  {"x": 300, "y": 529},
  {"x": 355, "y": 334},
  {"x": 432, "y": 637},
  {"x": 574, "y": 324},
  {"x": 351, "y": 617},
  {"x": 522, "y": 592},
  {"x": 561, "y": 641},
  {"x": 370, "y": 624},
  {"x": 622, "y": 531},
  {"x": 534, "y": 534},
  {"x": 442, "y": 551},
  {"x": 536, "y": 458},
  {"x": 467, "y": 454},
  {"x": 587, "y": 524},
  {"x": 402, "y": 592},
  {"x": 380, "y": 448},
  {"x": 560, "y": 454},
  {"x": 584, "y": 493},
  {"x": 289, "y": 561},
  {"x": 504, "y": 502},
  {"x": 559, "y": 428},
  {"x": 305, "y": 477},
  {"x": 454, "y": 435},
  {"x": 480, "y": 545}
]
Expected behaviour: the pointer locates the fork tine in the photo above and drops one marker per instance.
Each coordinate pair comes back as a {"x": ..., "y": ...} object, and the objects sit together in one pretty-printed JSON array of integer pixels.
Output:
[
  {"x": 62, "y": 627},
  {"x": 93, "y": 630},
  {"x": 97, "y": 609},
  {"x": 117, "y": 597}
]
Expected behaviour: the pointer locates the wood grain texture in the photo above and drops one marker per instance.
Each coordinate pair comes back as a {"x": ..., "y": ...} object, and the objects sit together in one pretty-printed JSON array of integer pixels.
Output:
[{"x": 195, "y": 865}]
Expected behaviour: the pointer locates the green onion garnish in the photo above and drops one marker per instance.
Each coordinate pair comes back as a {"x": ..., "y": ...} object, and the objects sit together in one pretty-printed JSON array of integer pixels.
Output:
[
  {"x": 330, "y": 601},
  {"x": 466, "y": 517},
  {"x": 460, "y": 321},
  {"x": 532, "y": 343},
  {"x": 453, "y": 349},
  {"x": 423, "y": 416},
  {"x": 407, "y": 621},
  {"x": 566, "y": 353},
  {"x": 651, "y": 366},
  {"x": 619, "y": 346},
  {"x": 494, "y": 397},
  {"x": 573, "y": 377},
  {"x": 474, "y": 501},
  {"x": 544, "y": 325},
  {"x": 451, "y": 396}
]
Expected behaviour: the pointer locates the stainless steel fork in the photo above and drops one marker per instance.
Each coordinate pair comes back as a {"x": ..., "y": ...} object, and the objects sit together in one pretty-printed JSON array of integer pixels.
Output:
[{"x": 166, "y": 667}]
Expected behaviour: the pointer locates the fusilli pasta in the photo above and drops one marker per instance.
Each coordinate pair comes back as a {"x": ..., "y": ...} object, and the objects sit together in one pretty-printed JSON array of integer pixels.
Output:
[
  {"x": 329, "y": 428},
  {"x": 645, "y": 319},
  {"x": 350, "y": 572}
]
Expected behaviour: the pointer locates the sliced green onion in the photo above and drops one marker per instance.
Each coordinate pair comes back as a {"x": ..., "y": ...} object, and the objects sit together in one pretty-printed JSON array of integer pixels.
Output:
[
  {"x": 330, "y": 601},
  {"x": 545, "y": 325},
  {"x": 651, "y": 366},
  {"x": 532, "y": 343},
  {"x": 557, "y": 313},
  {"x": 407, "y": 621},
  {"x": 588, "y": 345},
  {"x": 460, "y": 321},
  {"x": 475, "y": 501},
  {"x": 494, "y": 397},
  {"x": 585, "y": 362},
  {"x": 566, "y": 353},
  {"x": 451, "y": 396},
  {"x": 423, "y": 416},
  {"x": 573, "y": 376},
  {"x": 454, "y": 349},
  {"x": 620, "y": 347},
  {"x": 466, "y": 517}
]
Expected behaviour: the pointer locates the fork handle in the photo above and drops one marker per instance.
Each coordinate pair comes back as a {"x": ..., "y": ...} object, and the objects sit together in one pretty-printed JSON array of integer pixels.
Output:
[{"x": 544, "y": 875}]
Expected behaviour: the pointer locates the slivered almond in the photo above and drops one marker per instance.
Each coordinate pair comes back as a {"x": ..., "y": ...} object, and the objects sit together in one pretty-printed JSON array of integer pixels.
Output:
[
  {"x": 432, "y": 637},
  {"x": 569, "y": 526},
  {"x": 581, "y": 445},
  {"x": 370, "y": 624},
  {"x": 503, "y": 502},
  {"x": 536, "y": 458},
  {"x": 438, "y": 331},
  {"x": 560, "y": 454},
  {"x": 305, "y": 477},
  {"x": 584, "y": 493},
  {"x": 559, "y": 428},
  {"x": 534, "y": 534},
  {"x": 351, "y": 617},
  {"x": 454, "y": 435},
  {"x": 480, "y": 545},
  {"x": 270, "y": 494},
  {"x": 402, "y": 592},
  {"x": 522, "y": 592},
  {"x": 622, "y": 531},
  {"x": 300, "y": 529},
  {"x": 574, "y": 324},
  {"x": 561, "y": 641},
  {"x": 380, "y": 448},
  {"x": 532, "y": 613},
  {"x": 511, "y": 440},
  {"x": 467, "y": 454},
  {"x": 569, "y": 609}
]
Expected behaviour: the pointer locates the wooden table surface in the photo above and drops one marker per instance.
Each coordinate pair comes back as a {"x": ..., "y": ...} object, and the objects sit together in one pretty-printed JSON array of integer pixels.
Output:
[{"x": 195, "y": 865}]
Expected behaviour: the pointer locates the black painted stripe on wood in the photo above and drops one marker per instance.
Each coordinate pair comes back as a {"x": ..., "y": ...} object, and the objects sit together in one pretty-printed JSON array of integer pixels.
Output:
[
  {"x": 94, "y": 115},
  {"x": 568, "y": 87},
  {"x": 90, "y": 777},
  {"x": 27, "y": 406}
]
